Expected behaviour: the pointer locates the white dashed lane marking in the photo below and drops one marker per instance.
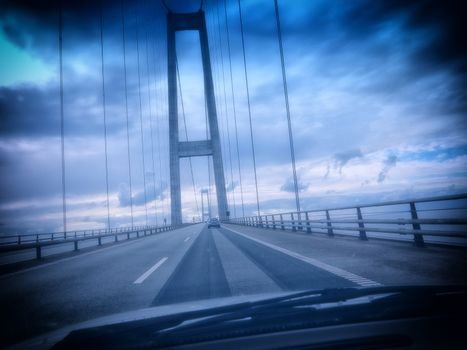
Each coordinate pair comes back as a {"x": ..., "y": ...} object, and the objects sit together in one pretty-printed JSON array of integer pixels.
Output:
[{"x": 145, "y": 275}]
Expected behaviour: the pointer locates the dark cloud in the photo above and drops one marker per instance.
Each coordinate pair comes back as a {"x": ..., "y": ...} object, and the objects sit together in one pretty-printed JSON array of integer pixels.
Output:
[
  {"x": 389, "y": 163},
  {"x": 341, "y": 159},
  {"x": 341, "y": 23},
  {"x": 289, "y": 186}
]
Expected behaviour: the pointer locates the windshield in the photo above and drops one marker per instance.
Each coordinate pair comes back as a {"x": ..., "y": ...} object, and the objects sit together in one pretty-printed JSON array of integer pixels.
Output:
[{"x": 184, "y": 155}]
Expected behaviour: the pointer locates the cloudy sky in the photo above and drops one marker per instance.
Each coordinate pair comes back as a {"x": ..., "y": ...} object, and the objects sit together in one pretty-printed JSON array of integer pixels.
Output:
[{"x": 377, "y": 96}]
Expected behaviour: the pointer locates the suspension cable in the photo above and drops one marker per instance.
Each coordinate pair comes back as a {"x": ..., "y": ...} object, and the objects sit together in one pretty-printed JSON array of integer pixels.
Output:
[
  {"x": 208, "y": 158},
  {"x": 126, "y": 110},
  {"x": 62, "y": 120},
  {"x": 234, "y": 109},
  {"x": 141, "y": 115},
  {"x": 226, "y": 112},
  {"x": 104, "y": 115},
  {"x": 186, "y": 134},
  {"x": 150, "y": 126},
  {"x": 286, "y": 97},
  {"x": 159, "y": 105},
  {"x": 164, "y": 170},
  {"x": 249, "y": 105},
  {"x": 207, "y": 121},
  {"x": 216, "y": 85}
]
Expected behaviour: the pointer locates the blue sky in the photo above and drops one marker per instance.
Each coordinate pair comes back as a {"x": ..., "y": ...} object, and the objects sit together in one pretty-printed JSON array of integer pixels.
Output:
[{"x": 377, "y": 97}]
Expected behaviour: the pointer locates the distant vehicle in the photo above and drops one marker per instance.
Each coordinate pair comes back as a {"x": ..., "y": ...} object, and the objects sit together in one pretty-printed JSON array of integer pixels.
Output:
[{"x": 214, "y": 222}]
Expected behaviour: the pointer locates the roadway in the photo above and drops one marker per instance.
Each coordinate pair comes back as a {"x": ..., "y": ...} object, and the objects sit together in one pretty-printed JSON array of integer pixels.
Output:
[{"x": 194, "y": 263}]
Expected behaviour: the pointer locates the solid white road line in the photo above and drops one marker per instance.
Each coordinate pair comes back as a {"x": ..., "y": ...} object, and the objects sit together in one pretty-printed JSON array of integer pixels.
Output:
[
  {"x": 151, "y": 270},
  {"x": 361, "y": 281},
  {"x": 187, "y": 239}
]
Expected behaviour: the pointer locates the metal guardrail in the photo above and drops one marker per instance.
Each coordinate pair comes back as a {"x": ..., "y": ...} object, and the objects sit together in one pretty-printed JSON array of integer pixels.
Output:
[
  {"x": 424, "y": 216},
  {"x": 38, "y": 241},
  {"x": 37, "y": 237}
]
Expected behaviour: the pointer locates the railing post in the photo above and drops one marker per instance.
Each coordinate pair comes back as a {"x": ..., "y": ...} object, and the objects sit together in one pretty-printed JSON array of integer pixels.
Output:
[
  {"x": 115, "y": 237},
  {"x": 75, "y": 244},
  {"x": 52, "y": 236},
  {"x": 308, "y": 225},
  {"x": 361, "y": 225},
  {"x": 38, "y": 252},
  {"x": 299, "y": 218},
  {"x": 418, "y": 238},
  {"x": 282, "y": 222},
  {"x": 19, "y": 239},
  {"x": 267, "y": 222},
  {"x": 328, "y": 218},
  {"x": 273, "y": 222},
  {"x": 293, "y": 222},
  {"x": 99, "y": 241},
  {"x": 37, "y": 238}
]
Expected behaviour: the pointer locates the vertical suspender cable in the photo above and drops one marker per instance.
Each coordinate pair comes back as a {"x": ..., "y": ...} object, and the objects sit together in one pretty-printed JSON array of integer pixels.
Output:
[
  {"x": 141, "y": 115},
  {"x": 126, "y": 111},
  {"x": 105, "y": 116},
  {"x": 286, "y": 96},
  {"x": 151, "y": 128},
  {"x": 164, "y": 95},
  {"x": 62, "y": 121},
  {"x": 225, "y": 106},
  {"x": 159, "y": 104},
  {"x": 208, "y": 158},
  {"x": 249, "y": 105},
  {"x": 234, "y": 109},
  {"x": 186, "y": 134},
  {"x": 159, "y": 67},
  {"x": 216, "y": 84}
]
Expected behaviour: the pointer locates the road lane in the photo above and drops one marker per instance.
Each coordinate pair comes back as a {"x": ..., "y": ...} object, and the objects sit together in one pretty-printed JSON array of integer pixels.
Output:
[
  {"x": 84, "y": 288},
  {"x": 349, "y": 276},
  {"x": 387, "y": 262},
  {"x": 288, "y": 272},
  {"x": 243, "y": 275},
  {"x": 199, "y": 275}
]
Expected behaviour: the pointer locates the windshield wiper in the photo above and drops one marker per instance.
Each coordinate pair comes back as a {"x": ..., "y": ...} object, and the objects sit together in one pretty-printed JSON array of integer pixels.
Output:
[
  {"x": 310, "y": 309},
  {"x": 298, "y": 310}
]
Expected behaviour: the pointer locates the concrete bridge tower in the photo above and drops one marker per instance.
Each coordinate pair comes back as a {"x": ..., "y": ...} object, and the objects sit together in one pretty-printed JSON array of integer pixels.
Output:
[{"x": 179, "y": 149}]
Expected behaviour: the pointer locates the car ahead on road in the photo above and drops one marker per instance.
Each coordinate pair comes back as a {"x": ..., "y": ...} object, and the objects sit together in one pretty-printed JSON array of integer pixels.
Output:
[
  {"x": 409, "y": 317},
  {"x": 214, "y": 222}
]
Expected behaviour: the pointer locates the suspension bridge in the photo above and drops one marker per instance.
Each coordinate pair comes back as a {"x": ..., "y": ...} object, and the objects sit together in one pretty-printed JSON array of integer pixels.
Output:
[{"x": 52, "y": 279}]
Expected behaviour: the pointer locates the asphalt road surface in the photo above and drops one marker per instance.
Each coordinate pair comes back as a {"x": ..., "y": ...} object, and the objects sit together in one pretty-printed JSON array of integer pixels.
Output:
[{"x": 193, "y": 263}]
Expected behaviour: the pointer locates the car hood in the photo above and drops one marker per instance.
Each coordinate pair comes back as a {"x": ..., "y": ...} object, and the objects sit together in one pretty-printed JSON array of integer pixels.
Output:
[{"x": 47, "y": 340}]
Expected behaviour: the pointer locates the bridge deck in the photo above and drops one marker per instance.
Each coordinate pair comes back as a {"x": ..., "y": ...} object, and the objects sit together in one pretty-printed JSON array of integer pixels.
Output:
[{"x": 194, "y": 263}]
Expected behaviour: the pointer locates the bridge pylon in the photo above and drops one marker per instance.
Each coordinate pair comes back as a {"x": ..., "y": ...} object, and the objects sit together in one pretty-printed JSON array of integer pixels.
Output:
[{"x": 180, "y": 149}]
